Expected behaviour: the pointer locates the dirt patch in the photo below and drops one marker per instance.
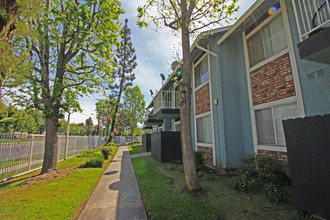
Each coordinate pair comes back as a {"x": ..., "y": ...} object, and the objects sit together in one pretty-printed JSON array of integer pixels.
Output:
[{"x": 49, "y": 176}]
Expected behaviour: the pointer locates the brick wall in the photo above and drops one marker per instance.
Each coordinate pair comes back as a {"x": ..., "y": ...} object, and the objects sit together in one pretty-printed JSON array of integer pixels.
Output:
[
  {"x": 202, "y": 100},
  {"x": 280, "y": 156},
  {"x": 208, "y": 154},
  {"x": 272, "y": 81}
]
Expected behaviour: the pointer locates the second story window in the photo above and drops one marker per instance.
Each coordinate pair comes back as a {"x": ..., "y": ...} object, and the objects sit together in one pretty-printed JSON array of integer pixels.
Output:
[
  {"x": 267, "y": 41},
  {"x": 201, "y": 72}
]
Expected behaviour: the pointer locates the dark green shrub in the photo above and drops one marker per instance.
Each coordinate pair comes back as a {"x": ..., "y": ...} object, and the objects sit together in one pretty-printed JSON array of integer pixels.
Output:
[
  {"x": 106, "y": 153},
  {"x": 274, "y": 193},
  {"x": 261, "y": 172},
  {"x": 94, "y": 161},
  {"x": 242, "y": 182},
  {"x": 199, "y": 160},
  {"x": 88, "y": 153}
]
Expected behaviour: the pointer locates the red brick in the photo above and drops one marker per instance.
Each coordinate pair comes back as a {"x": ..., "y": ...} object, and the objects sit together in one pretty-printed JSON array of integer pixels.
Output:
[
  {"x": 202, "y": 100},
  {"x": 208, "y": 154}
]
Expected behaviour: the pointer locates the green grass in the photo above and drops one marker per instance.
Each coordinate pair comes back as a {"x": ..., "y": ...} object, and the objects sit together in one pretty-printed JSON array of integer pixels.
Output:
[
  {"x": 162, "y": 187},
  {"x": 135, "y": 149},
  {"x": 55, "y": 199}
]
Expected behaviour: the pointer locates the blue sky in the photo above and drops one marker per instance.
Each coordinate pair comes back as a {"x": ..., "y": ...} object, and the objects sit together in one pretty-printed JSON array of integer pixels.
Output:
[{"x": 155, "y": 52}]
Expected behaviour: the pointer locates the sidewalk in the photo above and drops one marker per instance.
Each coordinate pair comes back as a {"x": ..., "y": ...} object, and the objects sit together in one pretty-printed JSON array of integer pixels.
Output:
[{"x": 117, "y": 195}]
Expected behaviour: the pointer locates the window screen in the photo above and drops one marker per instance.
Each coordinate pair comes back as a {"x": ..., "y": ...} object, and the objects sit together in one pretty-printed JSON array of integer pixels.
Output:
[
  {"x": 201, "y": 72},
  {"x": 204, "y": 129}
]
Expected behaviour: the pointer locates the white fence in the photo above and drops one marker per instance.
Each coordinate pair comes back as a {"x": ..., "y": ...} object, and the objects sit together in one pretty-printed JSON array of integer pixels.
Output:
[
  {"x": 20, "y": 154},
  {"x": 311, "y": 15}
]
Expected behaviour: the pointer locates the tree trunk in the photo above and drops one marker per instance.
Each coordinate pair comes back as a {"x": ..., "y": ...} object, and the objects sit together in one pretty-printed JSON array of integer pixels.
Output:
[
  {"x": 51, "y": 147},
  {"x": 185, "y": 116}
]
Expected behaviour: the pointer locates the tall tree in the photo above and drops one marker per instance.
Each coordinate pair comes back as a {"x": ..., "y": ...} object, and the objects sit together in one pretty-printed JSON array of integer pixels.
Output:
[
  {"x": 186, "y": 17},
  {"x": 73, "y": 54},
  {"x": 89, "y": 126},
  {"x": 126, "y": 59},
  {"x": 134, "y": 105},
  {"x": 14, "y": 61}
]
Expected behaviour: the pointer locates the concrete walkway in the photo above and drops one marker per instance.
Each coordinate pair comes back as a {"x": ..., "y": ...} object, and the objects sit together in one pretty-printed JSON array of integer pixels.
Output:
[{"x": 117, "y": 195}]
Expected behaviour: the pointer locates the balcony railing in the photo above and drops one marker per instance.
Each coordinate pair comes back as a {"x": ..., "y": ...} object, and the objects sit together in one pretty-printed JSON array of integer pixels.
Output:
[
  {"x": 166, "y": 100},
  {"x": 311, "y": 16}
]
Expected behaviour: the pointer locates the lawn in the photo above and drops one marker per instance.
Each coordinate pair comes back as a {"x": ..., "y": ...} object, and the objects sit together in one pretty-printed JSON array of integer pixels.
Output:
[
  {"x": 135, "y": 149},
  {"x": 164, "y": 195},
  {"x": 62, "y": 197}
]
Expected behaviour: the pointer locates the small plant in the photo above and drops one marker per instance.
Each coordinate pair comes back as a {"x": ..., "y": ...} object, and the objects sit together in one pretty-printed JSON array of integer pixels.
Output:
[
  {"x": 242, "y": 183},
  {"x": 274, "y": 193},
  {"x": 199, "y": 160},
  {"x": 106, "y": 153},
  {"x": 95, "y": 161},
  {"x": 261, "y": 172}
]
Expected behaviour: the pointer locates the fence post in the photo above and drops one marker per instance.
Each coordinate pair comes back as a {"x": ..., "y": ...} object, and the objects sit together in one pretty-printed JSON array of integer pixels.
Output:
[
  {"x": 59, "y": 147},
  {"x": 85, "y": 146},
  {"x": 74, "y": 145},
  {"x": 31, "y": 152}
]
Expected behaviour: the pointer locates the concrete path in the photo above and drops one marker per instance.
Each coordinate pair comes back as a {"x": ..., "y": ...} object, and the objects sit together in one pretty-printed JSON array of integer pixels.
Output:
[
  {"x": 117, "y": 195},
  {"x": 146, "y": 154}
]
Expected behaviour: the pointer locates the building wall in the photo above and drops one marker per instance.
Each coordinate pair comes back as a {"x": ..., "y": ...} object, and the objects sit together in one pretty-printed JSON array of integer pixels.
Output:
[
  {"x": 314, "y": 77},
  {"x": 202, "y": 100},
  {"x": 232, "y": 124},
  {"x": 272, "y": 81}
]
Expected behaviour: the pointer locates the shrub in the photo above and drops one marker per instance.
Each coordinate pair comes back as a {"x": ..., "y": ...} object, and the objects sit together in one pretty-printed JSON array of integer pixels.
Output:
[
  {"x": 274, "y": 193},
  {"x": 106, "y": 153},
  {"x": 199, "y": 160},
  {"x": 242, "y": 183},
  {"x": 94, "y": 161},
  {"x": 261, "y": 172},
  {"x": 88, "y": 153}
]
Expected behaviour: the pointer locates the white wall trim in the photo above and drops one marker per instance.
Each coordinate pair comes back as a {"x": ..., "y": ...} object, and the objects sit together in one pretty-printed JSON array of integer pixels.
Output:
[
  {"x": 293, "y": 62},
  {"x": 272, "y": 148},
  {"x": 209, "y": 113}
]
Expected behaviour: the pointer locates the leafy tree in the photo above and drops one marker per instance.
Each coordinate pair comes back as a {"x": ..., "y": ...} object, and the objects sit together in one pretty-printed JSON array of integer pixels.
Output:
[
  {"x": 89, "y": 126},
  {"x": 73, "y": 54},
  {"x": 122, "y": 120},
  {"x": 14, "y": 61},
  {"x": 187, "y": 17},
  {"x": 126, "y": 59},
  {"x": 13, "y": 119},
  {"x": 134, "y": 104}
]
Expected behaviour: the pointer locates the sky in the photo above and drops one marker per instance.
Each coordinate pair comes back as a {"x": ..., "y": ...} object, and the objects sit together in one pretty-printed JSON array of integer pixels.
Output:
[{"x": 155, "y": 51}]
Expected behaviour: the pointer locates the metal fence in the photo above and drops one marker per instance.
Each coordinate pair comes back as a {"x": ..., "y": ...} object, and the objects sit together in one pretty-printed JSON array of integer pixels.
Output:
[{"x": 23, "y": 153}]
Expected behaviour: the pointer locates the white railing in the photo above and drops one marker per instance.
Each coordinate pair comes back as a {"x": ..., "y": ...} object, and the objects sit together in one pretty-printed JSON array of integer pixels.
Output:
[
  {"x": 20, "y": 154},
  {"x": 311, "y": 15},
  {"x": 166, "y": 99}
]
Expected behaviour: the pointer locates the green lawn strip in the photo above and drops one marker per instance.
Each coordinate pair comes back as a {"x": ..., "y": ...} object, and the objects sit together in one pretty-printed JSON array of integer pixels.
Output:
[
  {"x": 55, "y": 199},
  {"x": 164, "y": 202},
  {"x": 135, "y": 149},
  {"x": 162, "y": 187}
]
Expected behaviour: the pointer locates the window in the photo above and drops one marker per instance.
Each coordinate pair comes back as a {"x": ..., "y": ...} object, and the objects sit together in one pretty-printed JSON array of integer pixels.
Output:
[
  {"x": 177, "y": 127},
  {"x": 201, "y": 72},
  {"x": 204, "y": 130},
  {"x": 269, "y": 123},
  {"x": 268, "y": 41}
]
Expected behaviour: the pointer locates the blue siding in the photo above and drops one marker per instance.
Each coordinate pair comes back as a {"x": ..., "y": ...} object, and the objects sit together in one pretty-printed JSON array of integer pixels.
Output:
[
  {"x": 232, "y": 122},
  {"x": 315, "y": 90}
]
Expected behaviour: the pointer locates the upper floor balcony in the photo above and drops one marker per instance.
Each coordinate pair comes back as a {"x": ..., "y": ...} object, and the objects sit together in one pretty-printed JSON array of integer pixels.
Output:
[
  {"x": 313, "y": 20},
  {"x": 149, "y": 120},
  {"x": 166, "y": 105}
]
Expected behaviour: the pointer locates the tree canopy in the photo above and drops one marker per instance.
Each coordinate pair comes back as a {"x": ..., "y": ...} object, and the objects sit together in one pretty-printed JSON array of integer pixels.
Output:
[{"x": 186, "y": 17}]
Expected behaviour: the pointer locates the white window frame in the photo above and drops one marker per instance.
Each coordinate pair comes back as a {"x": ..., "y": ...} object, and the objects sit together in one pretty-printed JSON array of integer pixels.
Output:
[
  {"x": 176, "y": 123},
  {"x": 259, "y": 28},
  {"x": 200, "y": 143},
  {"x": 195, "y": 64},
  {"x": 293, "y": 99}
]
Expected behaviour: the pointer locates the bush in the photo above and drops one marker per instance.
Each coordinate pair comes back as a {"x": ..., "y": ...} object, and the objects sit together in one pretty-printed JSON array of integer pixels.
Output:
[
  {"x": 261, "y": 172},
  {"x": 106, "y": 153},
  {"x": 94, "y": 161},
  {"x": 199, "y": 160},
  {"x": 111, "y": 144},
  {"x": 88, "y": 153}
]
